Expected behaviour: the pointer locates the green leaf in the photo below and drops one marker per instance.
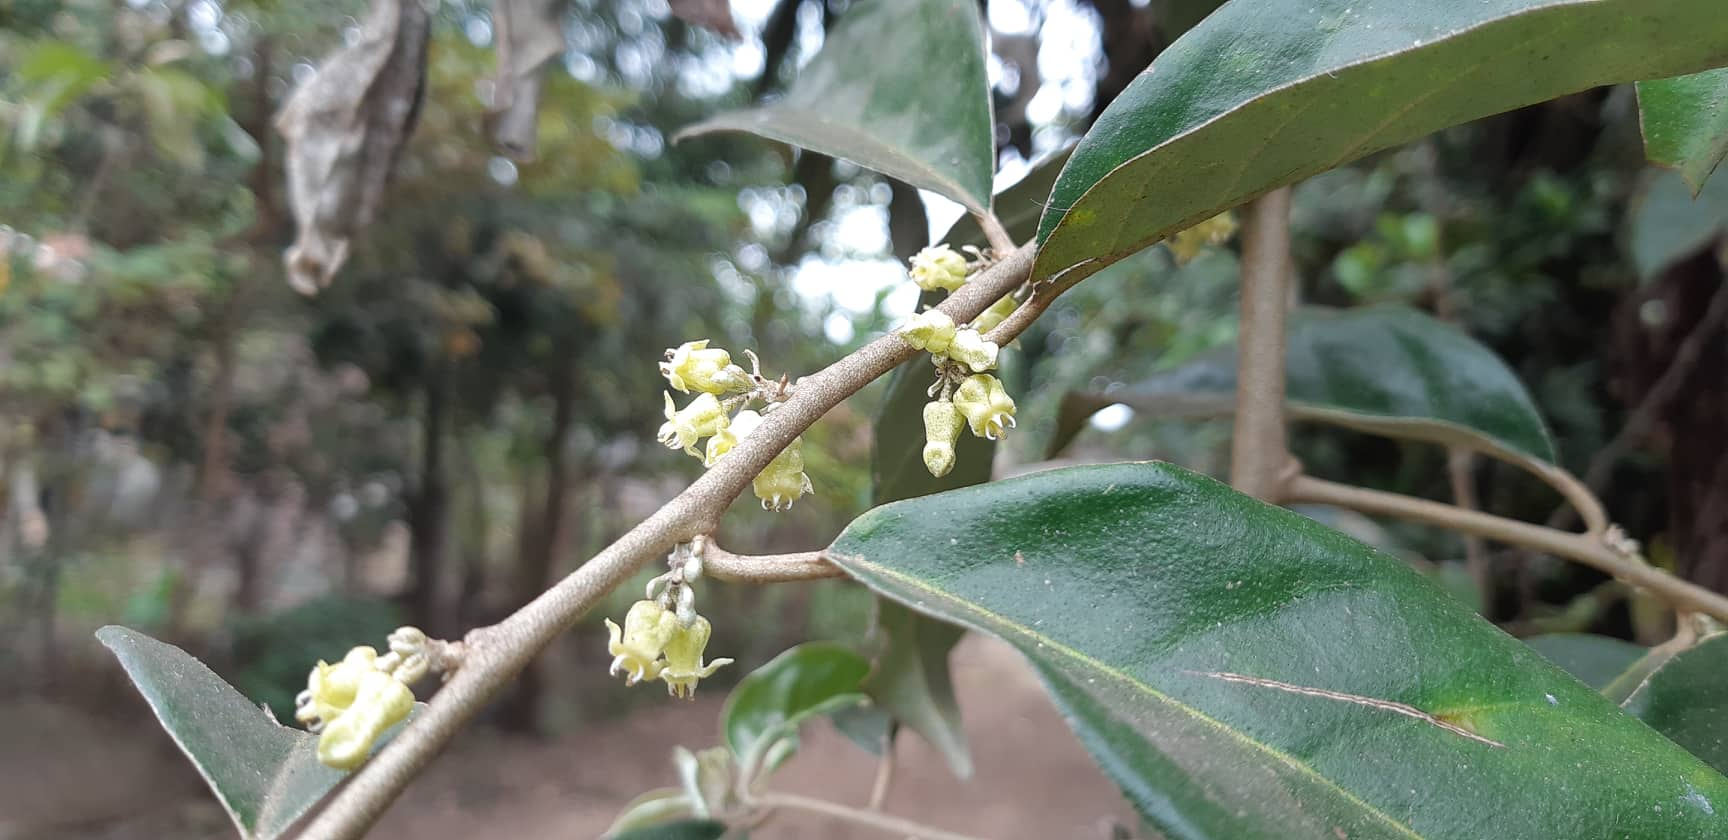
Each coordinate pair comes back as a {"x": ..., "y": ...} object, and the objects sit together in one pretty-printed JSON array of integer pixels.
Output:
[
  {"x": 266, "y": 775},
  {"x": 1668, "y": 225},
  {"x": 811, "y": 679},
  {"x": 899, "y": 87},
  {"x": 681, "y": 830},
  {"x": 1381, "y": 369},
  {"x": 1263, "y": 94},
  {"x": 1685, "y": 122},
  {"x": 1594, "y": 660},
  {"x": 911, "y": 680},
  {"x": 1244, "y": 672},
  {"x": 655, "y": 809},
  {"x": 1018, "y": 207},
  {"x": 1687, "y": 700}
]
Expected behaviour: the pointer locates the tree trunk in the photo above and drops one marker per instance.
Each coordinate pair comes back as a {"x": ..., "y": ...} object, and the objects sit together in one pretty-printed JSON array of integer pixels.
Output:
[
  {"x": 426, "y": 512},
  {"x": 534, "y": 563}
]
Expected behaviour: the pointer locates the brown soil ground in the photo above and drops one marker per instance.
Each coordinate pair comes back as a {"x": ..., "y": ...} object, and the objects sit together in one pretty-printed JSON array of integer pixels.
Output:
[{"x": 66, "y": 775}]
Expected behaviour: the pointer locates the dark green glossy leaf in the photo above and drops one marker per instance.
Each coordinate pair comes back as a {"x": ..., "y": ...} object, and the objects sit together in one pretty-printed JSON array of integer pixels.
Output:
[
  {"x": 1266, "y": 93},
  {"x": 1383, "y": 369},
  {"x": 1244, "y": 672},
  {"x": 899, "y": 87},
  {"x": 800, "y": 683},
  {"x": 1594, "y": 660},
  {"x": 1018, "y": 207},
  {"x": 266, "y": 775},
  {"x": 1687, "y": 700},
  {"x": 1668, "y": 224},
  {"x": 1685, "y": 123}
]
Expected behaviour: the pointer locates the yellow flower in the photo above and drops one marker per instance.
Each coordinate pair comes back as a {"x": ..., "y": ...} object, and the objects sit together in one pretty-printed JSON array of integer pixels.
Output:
[
  {"x": 722, "y": 442},
  {"x": 783, "y": 481},
  {"x": 1187, "y": 244},
  {"x": 330, "y": 689},
  {"x": 684, "y": 666},
  {"x": 938, "y": 267},
  {"x": 996, "y": 314},
  {"x": 636, "y": 649},
  {"x": 970, "y": 349},
  {"x": 942, "y": 424},
  {"x": 986, "y": 404},
  {"x": 692, "y": 365},
  {"x": 930, "y": 330},
  {"x": 684, "y": 427},
  {"x": 381, "y": 702}
]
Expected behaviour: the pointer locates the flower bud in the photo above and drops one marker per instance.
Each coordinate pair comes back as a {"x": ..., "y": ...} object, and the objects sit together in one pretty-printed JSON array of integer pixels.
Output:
[
  {"x": 636, "y": 649},
  {"x": 704, "y": 416},
  {"x": 1187, "y": 244},
  {"x": 684, "y": 665},
  {"x": 783, "y": 481},
  {"x": 996, "y": 314},
  {"x": 970, "y": 349},
  {"x": 722, "y": 442},
  {"x": 942, "y": 422},
  {"x": 930, "y": 330},
  {"x": 692, "y": 366},
  {"x": 938, "y": 267},
  {"x": 988, "y": 409},
  {"x": 381, "y": 702}
]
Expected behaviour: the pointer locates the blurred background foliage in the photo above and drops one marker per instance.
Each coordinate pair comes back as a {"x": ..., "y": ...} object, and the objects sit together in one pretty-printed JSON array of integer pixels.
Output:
[{"x": 193, "y": 449}]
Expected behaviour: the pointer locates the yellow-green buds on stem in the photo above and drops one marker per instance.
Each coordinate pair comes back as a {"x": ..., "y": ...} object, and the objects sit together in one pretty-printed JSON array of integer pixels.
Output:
[
  {"x": 930, "y": 330},
  {"x": 704, "y": 416},
  {"x": 725, "y": 388},
  {"x": 939, "y": 267},
  {"x": 996, "y": 314},
  {"x": 663, "y": 636},
  {"x": 350, "y": 704},
  {"x": 988, "y": 409},
  {"x": 942, "y": 422},
  {"x": 783, "y": 481},
  {"x": 691, "y": 366},
  {"x": 970, "y": 349}
]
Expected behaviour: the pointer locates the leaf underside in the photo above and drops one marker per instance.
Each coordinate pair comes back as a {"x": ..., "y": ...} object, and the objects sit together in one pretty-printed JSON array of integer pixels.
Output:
[{"x": 1685, "y": 122}]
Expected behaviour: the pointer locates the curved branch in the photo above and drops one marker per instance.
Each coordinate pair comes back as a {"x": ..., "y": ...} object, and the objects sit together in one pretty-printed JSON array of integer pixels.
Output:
[
  {"x": 497, "y": 653},
  {"x": 720, "y": 564},
  {"x": 1583, "y": 548},
  {"x": 875, "y": 819}
]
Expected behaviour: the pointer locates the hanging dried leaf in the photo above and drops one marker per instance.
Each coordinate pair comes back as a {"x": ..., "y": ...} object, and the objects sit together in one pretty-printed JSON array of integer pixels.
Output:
[
  {"x": 713, "y": 15},
  {"x": 530, "y": 33},
  {"x": 345, "y": 129}
]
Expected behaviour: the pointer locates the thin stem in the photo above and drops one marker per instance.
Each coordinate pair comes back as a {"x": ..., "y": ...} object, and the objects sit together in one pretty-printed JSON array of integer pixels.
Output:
[
  {"x": 883, "y": 822},
  {"x": 1584, "y": 548},
  {"x": 1259, "y": 452},
  {"x": 496, "y": 654},
  {"x": 720, "y": 564},
  {"x": 1000, "y": 241},
  {"x": 884, "y": 775}
]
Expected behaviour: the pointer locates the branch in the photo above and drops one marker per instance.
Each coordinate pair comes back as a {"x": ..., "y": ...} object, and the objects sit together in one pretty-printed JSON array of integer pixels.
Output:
[
  {"x": 1000, "y": 241},
  {"x": 882, "y": 822},
  {"x": 495, "y": 654},
  {"x": 1259, "y": 451},
  {"x": 1584, "y": 548},
  {"x": 720, "y": 564}
]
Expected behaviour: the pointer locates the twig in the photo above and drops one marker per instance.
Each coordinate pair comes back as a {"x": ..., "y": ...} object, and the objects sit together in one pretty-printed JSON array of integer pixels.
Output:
[
  {"x": 1259, "y": 451},
  {"x": 884, "y": 775},
  {"x": 720, "y": 564},
  {"x": 1584, "y": 548},
  {"x": 882, "y": 822},
  {"x": 497, "y": 653},
  {"x": 994, "y": 232},
  {"x": 1663, "y": 392}
]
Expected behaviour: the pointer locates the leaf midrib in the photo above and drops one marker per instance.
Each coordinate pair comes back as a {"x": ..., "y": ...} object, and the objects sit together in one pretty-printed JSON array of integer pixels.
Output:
[{"x": 1128, "y": 679}]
